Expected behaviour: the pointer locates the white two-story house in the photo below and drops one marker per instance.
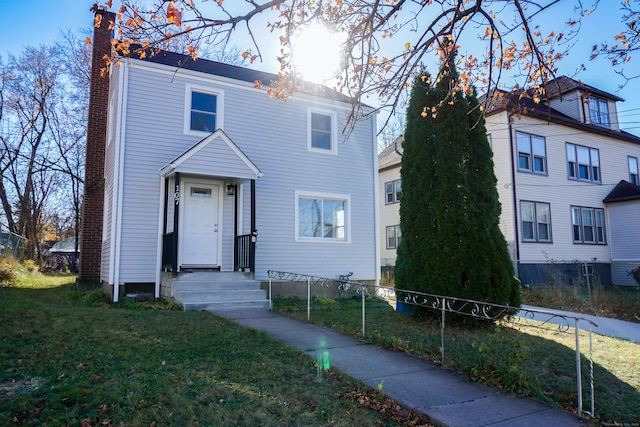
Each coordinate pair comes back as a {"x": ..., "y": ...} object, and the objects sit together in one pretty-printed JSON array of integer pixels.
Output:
[
  {"x": 567, "y": 181},
  {"x": 204, "y": 171}
]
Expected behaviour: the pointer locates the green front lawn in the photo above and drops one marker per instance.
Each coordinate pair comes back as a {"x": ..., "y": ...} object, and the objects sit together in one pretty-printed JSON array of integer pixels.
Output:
[{"x": 69, "y": 358}]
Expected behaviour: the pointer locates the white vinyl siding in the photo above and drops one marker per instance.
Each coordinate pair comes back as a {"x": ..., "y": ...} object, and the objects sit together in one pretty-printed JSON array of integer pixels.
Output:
[{"x": 156, "y": 136}]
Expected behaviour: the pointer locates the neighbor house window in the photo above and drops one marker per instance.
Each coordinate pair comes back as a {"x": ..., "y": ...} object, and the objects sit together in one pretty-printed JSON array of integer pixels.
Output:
[
  {"x": 599, "y": 112},
  {"x": 393, "y": 191},
  {"x": 583, "y": 163},
  {"x": 633, "y": 170},
  {"x": 536, "y": 221},
  {"x": 532, "y": 154},
  {"x": 393, "y": 236},
  {"x": 321, "y": 131},
  {"x": 322, "y": 217},
  {"x": 204, "y": 111},
  {"x": 588, "y": 225}
]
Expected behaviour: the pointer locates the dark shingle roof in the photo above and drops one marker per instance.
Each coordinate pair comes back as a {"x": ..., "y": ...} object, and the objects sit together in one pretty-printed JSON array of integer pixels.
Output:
[
  {"x": 521, "y": 103},
  {"x": 391, "y": 156},
  {"x": 622, "y": 192},
  {"x": 235, "y": 72},
  {"x": 564, "y": 84}
]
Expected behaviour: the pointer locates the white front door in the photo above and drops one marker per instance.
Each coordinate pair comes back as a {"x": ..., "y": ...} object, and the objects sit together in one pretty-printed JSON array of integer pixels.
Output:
[{"x": 199, "y": 234}]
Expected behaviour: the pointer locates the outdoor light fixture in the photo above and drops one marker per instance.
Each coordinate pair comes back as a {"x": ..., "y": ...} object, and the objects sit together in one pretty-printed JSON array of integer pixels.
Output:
[{"x": 231, "y": 189}]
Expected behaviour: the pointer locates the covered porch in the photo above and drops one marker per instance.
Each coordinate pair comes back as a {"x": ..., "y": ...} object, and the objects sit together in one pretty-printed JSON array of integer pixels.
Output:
[{"x": 208, "y": 210}]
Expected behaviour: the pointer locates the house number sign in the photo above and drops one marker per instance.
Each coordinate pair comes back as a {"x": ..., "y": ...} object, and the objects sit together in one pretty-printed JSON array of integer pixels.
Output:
[{"x": 176, "y": 195}]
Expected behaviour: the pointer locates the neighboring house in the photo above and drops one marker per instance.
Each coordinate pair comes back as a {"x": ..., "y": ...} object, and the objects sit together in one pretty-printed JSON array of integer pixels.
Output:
[
  {"x": 389, "y": 195},
  {"x": 204, "y": 171},
  {"x": 567, "y": 181}
]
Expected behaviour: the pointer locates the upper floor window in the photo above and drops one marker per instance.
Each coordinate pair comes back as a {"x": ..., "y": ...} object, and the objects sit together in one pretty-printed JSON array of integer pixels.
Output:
[
  {"x": 599, "y": 112},
  {"x": 322, "y": 217},
  {"x": 204, "y": 111},
  {"x": 588, "y": 225},
  {"x": 393, "y": 236},
  {"x": 532, "y": 155},
  {"x": 633, "y": 170},
  {"x": 583, "y": 163},
  {"x": 322, "y": 131},
  {"x": 536, "y": 221},
  {"x": 393, "y": 191}
]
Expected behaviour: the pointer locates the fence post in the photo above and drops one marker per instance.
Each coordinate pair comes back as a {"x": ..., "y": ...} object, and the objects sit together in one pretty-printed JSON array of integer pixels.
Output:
[
  {"x": 578, "y": 368},
  {"x": 362, "y": 295},
  {"x": 308, "y": 298},
  {"x": 442, "y": 332},
  {"x": 593, "y": 397},
  {"x": 270, "y": 298}
]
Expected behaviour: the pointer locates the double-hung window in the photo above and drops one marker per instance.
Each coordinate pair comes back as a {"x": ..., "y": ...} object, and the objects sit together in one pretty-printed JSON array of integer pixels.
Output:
[
  {"x": 532, "y": 154},
  {"x": 393, "y": 191},
  {"x": 204, "y": 111},
  {"x": 599, "y": 112},
  {"x": 321, "y": 132},
  {"x": 633, "y": 170},
  {"x": 588, "y": 225},
  {"x": 536, "y": 221},
  {"x": 322, "y": 217},
  {"x": 583, "y": 163},
  {"x": 393, "y": 236}
]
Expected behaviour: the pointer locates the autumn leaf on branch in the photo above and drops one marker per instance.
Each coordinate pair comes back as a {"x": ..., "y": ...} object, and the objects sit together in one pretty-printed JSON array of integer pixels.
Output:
[{"x": 386, "y": 42}]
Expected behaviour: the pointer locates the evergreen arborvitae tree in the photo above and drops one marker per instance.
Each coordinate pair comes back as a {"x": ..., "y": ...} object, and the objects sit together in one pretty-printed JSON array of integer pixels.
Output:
[{"x": 449, "y": 214}]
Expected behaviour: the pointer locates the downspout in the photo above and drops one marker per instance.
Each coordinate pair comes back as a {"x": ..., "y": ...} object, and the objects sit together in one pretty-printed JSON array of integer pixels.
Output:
[
  {"x": 254, "y": 231},
  {"x": 514, "y": 194},
  {"x": 118, "y": 174},
  {"x": 376, "y": 210},
  {"x": 162, "y": 221}
]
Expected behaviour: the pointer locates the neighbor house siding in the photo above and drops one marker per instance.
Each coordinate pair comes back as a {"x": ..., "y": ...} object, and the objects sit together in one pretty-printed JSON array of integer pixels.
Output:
[
  {"x": 625, "y": 239},
  {"x": 389, "y": 215},
  {"x": 571, "y": 105},
  {"x": 561, "y": 193}
]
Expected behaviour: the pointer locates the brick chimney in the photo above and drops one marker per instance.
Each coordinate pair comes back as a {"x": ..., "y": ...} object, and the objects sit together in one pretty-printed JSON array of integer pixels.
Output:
[{"x": 93, "y": 198}]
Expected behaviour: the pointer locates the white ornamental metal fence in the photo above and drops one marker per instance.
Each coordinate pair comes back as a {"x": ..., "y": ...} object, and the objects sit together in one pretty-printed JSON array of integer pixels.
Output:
[{"x": 531, "y": 317}]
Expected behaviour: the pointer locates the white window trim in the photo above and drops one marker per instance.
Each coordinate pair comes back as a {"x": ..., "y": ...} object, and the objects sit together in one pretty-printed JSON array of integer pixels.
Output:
[
  {"x": 592, "y": 163},
  {"x": 532, "y": 155},
  {"x": 189, "y": 88},
  {"x": 334, "y": 196},
  {"x": 393, "y": 192},
  {"x": 396, "y": 230},
  {"x": 597, "y": 102},
  {"x": 595, "y": 226},
  {"x": 536, "y": 238},
  {"x": 334, "y": 133}
]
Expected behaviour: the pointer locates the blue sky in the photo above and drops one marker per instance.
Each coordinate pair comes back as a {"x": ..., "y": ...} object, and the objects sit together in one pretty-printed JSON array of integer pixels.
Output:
[{"x": 35, "y": 22}]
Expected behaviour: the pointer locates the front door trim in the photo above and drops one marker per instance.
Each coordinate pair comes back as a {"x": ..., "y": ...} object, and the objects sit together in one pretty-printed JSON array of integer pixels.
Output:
[{"x": 185, "y": 185}]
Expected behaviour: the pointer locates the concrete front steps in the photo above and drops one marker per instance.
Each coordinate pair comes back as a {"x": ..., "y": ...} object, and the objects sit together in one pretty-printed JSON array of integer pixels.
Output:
[{"x": 218, "y": 290}]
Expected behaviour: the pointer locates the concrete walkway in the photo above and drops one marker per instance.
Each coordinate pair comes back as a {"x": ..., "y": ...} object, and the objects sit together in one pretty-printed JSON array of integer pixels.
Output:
[
  {"x": 605, "y": 326},
  {"x": 445, "y": 397}
]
